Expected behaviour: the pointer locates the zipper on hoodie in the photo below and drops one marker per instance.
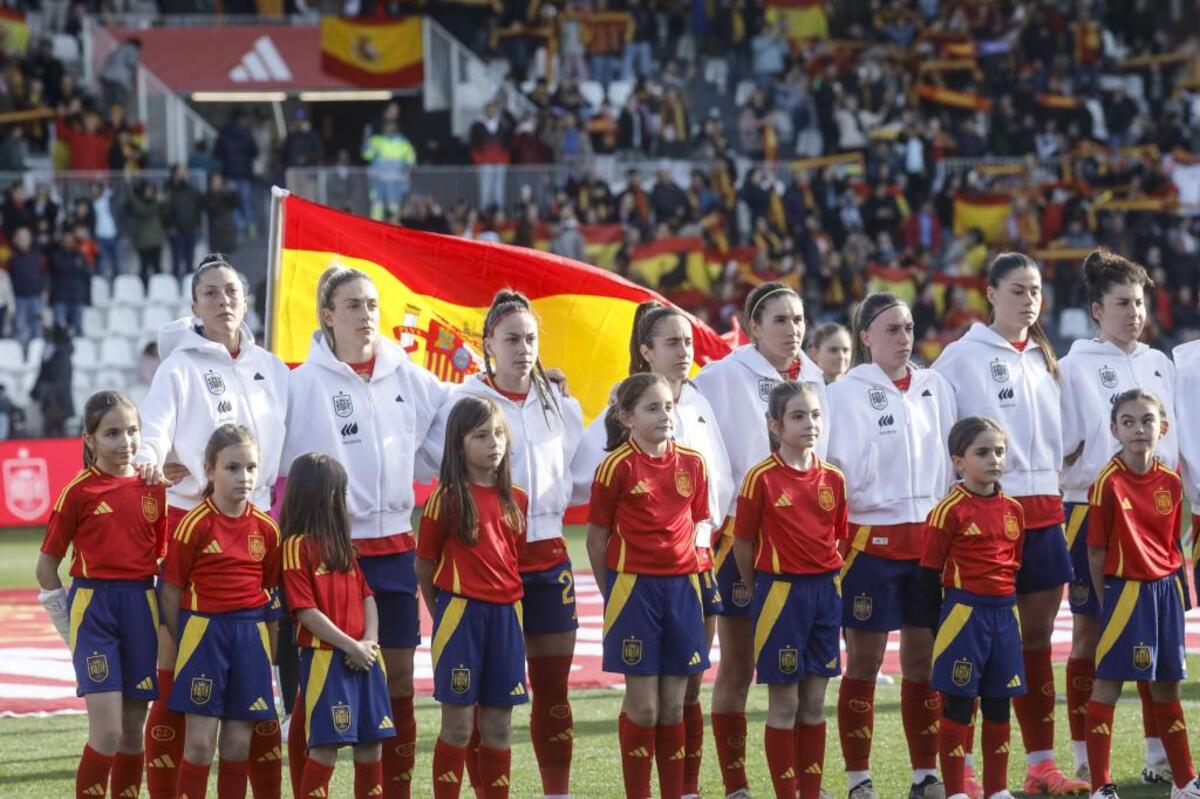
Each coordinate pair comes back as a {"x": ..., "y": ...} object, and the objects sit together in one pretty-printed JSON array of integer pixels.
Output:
[{"x": 376, "y": 431}]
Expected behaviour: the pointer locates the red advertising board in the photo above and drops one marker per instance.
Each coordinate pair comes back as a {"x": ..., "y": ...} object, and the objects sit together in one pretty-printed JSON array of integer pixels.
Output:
[{"x": 32, "y": 472}]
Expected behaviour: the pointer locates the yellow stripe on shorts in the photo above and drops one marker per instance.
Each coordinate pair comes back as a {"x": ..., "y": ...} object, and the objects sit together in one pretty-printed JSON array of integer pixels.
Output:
[
  {"x": 1119, "y": 619},
  {"x": 621, "y": 591},
  {"x": 79, "y": 606},
  {"x": 1078, "y": 515},
  {"x": 772, "y": 607},
  {"x": 193, "y": 631},
  {"x": 450, "y": 620},
  {"x": 318, "y": 673},
  {"x": 956, "y": 619}
]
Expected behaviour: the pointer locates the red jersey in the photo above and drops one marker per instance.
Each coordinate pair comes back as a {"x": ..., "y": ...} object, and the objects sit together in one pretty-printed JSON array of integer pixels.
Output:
[
  {"x": 116, "y": 525},
  {"x": 650, "y": 506},
  {"x": 223, "y": 563},
  {"x": 1042, "y": 511},
  {"x": 795, "y": 518},
  {"x": 487, "y": 570},
  {"x": 976, "y": 541},
  {"x": 309, "y": 583},
  {"x": 1137, "y": 517}
]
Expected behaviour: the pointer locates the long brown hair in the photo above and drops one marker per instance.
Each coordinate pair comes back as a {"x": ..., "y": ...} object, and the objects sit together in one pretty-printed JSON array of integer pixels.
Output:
[
  {"x": 227, "y": 435},
  {"x": 94, "y": 411},
  {"x": 628, "y": 392},
  {"x": 757, "y": 299},
  {"x": 315, "y": 505},
  {"x": 330, "y": 281},
  {"x": 645, "y": 320},
  {"x": 778, "y": 400},
  {"x": 966, "y": 430},
  {"x": 864, "y": 315},
  {"x": 1004, "y": 264},
  {"x": 466, "y": 415},
  {"x": 1104, "y": 270},
  {"x": 504, "y": 303}
]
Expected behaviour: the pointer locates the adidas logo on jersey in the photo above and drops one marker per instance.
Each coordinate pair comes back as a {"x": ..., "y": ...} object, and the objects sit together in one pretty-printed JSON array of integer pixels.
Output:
[
  {"x": 695, "y": 659},
  {"x": 519, "y": 690},
  {"x": 213, "y": 548},
  {"x": 102, "y": 508},
  {"x": 146, "y": 685},
  {"x": 1015, "y": 682},
  {"x": 1125, "y": 504},
  {"x": 972, "y": 530},
  {"x": 640, "y": 488},
  {"x": 259, "y": 704},
  {"x": 387, "y": 724},
  {"x": 784, "y": 501},
  {"x": 1177, "y": 726}
]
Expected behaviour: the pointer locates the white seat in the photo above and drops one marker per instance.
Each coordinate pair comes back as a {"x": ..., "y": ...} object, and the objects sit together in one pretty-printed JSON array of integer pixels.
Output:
[
  {"x": 101, "y": 294},
  {"x": 114, "y": 379},
  {"x": 84, "y": 354},
  {"x": 164, "y": 290},
  {"x": 94, "y": 323},
  {"x": 116, "y": 353},
  {"x": 37, "y": 349},
  {"x": 185, "y": 288},
  {"x": 593, "y": 92},
  {"x": 155, "y": 317},
  {"x": 123, "y": 320},
  {"x": 184, "y": 310},
  {"x": 127, "y": 290},
  {"x": 619, "y": 91},
  {"x": 137, "y": 392},
  {"x": 11, "y": 356},
  {"x": 82, "y": 379},
  {"x": 743, "y": 93},
  {"x": 80, "y": 397},
  {"x": 1074, "y": 324}
]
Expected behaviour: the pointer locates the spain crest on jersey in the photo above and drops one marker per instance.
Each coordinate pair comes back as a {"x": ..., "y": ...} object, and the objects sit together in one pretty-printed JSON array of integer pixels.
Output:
[
  {"x": 683, "y": 483},
  {"x": 257, "y": 546},
  {"x": 97, "y": 668},
  {"x": 999, "y": 371},
  {"x": 878, "y": 398},
  {"x": 201, "y": 690},
  {"x": 1108, "y": 376},
  {"x": 960, "y": 673},
  {"x": 863, "y": 607},
  {"x": 214, "y": 383},
  {"x": 150, "y": 508},
  {"x": 631, "y": 651},
  {"x": 764, "y": 388},
  {"x": 825, "y": 498},
  {"x": 460, "y": 679},
  {"x": 341, "y": 717},
  {"x": 1162, "y": 501},
  {"x": 1142, "y": 658},
  {"x": 1012, "y": 530},
  {"x": 343, "y": 406},
  {"x": 789, "y": 660}
]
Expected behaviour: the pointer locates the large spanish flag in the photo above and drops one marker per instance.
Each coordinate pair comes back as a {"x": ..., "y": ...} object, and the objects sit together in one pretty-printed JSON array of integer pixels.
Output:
[
  {"x": 435, "y": 291},
  {"x": 386, "y": 54}
]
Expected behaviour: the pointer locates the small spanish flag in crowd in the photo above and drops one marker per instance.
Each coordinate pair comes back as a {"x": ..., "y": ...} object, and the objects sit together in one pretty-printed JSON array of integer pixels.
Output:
[
  {"x": 435, "y": 290},
  {"x": 806, "y": 19},
  {"x": 385, "y": 54},
  {"x": 14, "y": 32},
  {"x": 988, "y": 212}
]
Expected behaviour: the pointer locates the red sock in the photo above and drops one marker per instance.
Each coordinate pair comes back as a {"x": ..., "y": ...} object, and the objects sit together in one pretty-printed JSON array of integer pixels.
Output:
[
  {"x": 1172, "y": 729},
  {"x": 1080, "y": 673},
  {"x": 91, "y": 777},
  {"x": 729, "y": 736},
  {"x": 232, "y": 778},
  {"x": 1098, "y": 722},
  {"x": 298, "y": 744},
  {"x": 637, "y": 757},
  {"x": 952, "y": 746},
  {"x": 781, "y": 760},
  {"x": 163, "y": 742},
  {"x": 551, "y": 725},
  {"x": 856, "y": 722},
  {"x": 193, "y": 780},
  {"x": 1035, "y": 708},
  {"x": 400, "y": 753},
  {"x": 494, "y": 768},
  {"x": 994, "y": 743},
  {"x": 1149, "y": 726},
  {"x": 125, "y": 780},
  {"x": 810, "y": 758},
  {"x": 266, "y": 760},
  {"x": 472, "y": 762},
  {"x": 669, "y": 754},
  {"x": 693, "y": 747},
  {"x": 315, "y": 782},
  {"x": 920, "y": 707},
  {"x": 368, "y": 780},
  {"x": 448, "y": 762}
]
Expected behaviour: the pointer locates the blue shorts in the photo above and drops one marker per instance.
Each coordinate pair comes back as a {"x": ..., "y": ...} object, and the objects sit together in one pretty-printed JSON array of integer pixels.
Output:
[
  {"x": 1045, "y": 560},
  {"x": 978, "y": 647},
  {"x": 549, "y": 602},
  {"x": 882, "y": 595},
  {"x": 1080, "y": 593},
  {"x": 736, "y": 597},
  {"x": 798, "y": 620},
  {"x": 114, "y": 637},
  {"x": 343, "y": 705},
  {"x": 393, "y": 580},
  {"x": 224, "y": 666},
  {"x": 1141, "y": 631},
  {"x": 654, "y": 625},
  {"x": 274, "y": 610},
  {"x": 478, "y": 652},
  {"x": 710, "y": 595}
]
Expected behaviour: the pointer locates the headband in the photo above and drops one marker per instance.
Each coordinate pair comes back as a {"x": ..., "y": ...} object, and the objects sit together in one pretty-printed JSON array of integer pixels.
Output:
[
  {"x": 514, "y": 307},
  {"x": 770, "y": 293},
  {"x": 867, "y": 322}
]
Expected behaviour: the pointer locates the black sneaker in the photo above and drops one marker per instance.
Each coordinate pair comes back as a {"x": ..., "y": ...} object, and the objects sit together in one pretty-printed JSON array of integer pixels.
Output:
[
  {"x": 864, "y": 790},
  {"x": 929, "y": 788}
]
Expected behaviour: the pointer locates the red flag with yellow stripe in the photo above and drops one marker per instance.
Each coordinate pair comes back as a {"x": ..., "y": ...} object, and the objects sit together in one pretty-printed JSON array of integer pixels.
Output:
[
  {"x": 435, "y": 290},
  {"x": 387, "y": 54}
]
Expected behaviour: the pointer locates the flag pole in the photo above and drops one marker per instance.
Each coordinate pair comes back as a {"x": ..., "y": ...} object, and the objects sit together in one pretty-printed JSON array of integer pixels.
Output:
[{"x": 274, "y": 251}]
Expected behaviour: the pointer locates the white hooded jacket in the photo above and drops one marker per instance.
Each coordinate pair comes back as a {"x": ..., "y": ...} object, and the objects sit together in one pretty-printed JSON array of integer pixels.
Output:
[
  {"x": 1187, "y": 419},
  {"x": 200, "y": 386},
  {"x": 1093, "y": 374},
  {"x": 373, "y": 428},
  {"x": 992, "y": 378}
]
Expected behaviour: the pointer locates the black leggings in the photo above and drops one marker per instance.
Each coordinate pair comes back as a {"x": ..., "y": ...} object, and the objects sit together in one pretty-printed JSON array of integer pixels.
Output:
[{"x": 960, "y": 708}]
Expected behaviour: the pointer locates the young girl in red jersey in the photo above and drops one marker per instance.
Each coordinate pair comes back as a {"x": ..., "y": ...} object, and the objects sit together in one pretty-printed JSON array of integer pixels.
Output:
[
  {"x": 791, "y": 514},
  {"x": 471, "y": 540},
  {"x": 647, "y": 497},
  {"x": 1133, "y": 553},
  {"x": 342, "y": 681},
  {"x": 973, "y": 552},
  {"x": 115, "y": 522},
  {"x": 221, "y": 565}
]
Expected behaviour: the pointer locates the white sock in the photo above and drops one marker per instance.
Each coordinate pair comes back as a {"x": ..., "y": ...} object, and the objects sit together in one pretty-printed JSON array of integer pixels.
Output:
[
  {"x": 857, "y": 777},
  {"x": 919, "y": 774},
  {"x": 1033, "y": 758},
  {"x": 1079, "y": 752},
  {"x": 1154, "y": 751}
]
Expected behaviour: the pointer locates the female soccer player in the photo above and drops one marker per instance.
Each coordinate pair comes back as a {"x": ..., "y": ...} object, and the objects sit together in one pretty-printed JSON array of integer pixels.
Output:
[
  {"x": 890, "y": 424},
  {"x": 1133, "y": 555},
  {"x": 791, "y": 517},
  {"x": 829, "y": 347},
  {"x": 337, "y": 627},
  {"x": 222, "y": 563},
  {"x": 1093, "y": 372},
  {"x": 661, "y": 343},
  {"x": 472, "y": 538},
  {"x": 115, "y": 524},
  {"x": 213, "y": 373},
  {"x": 1007, "y": 371},
  {"x": 647, "y": 497},
  {"x": 737, "y": 387},
  {"x": 974, "y": 553}
]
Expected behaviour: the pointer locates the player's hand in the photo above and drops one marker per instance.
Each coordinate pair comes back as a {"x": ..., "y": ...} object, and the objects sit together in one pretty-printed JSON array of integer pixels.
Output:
[
  {"x": 1070, "y": 458},
  {"x": 559, "y": 378},
  {"x": 174, "y": 472},
  {"x": 150, "y": 474},
  {"x": 361, "y": 656}
]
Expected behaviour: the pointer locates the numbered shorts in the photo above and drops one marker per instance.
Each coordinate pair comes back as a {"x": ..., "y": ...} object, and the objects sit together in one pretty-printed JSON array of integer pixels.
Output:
[
  {"x": 736, "y": 597},
  {"x": 393, "y": 580},
  {"x": 710, "y": 594},
  {"x": 797, "y": 626},
  {"x": 882, "y": 595},
  {"x": 1045, "y": 560},
  {"x": 1141, "y": 631},
  {"x": 977, "y": 651},
  {"x": 549, "y": 603},
  {"x": 478, "y": 652},
  {"x": 224, "y": 666},
  {"x": 114, "y": 637},
  {"x": 654, "y": 625},
  {"x": 343, "y": 705},
  {"x": 1079, "y": 593}
]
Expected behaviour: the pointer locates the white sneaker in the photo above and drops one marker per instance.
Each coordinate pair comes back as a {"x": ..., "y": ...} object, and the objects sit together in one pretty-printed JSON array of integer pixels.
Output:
[
  {"x": 958, "y": 796},
  {"x": 1157, "y": 774},
  {"x": 1002, "y": 795},
  {"x": 864, "y": 790},
  {"x": 1106, "y": 792},
  {"x": 1189, "y": 791},
  {"x": 740, "y": 793}
]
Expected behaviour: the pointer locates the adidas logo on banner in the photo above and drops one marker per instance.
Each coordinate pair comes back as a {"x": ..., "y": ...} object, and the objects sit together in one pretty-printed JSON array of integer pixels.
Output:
[
  {"x": 102, "y": 508},
  {"x": 212, "y": 549},
  {"x": 262, "y": 63}
]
